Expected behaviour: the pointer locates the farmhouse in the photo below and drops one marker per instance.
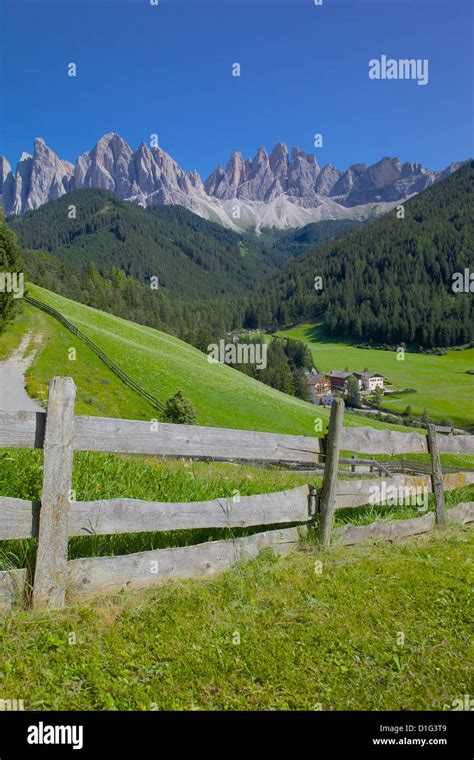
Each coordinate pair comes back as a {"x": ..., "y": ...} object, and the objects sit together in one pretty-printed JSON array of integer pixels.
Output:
[
  {"x": 323, "y": 385},
  {"x": 369, "y": 381},
  {"x": 319, "y": 385},
  {"x": 338, "y": 380}
]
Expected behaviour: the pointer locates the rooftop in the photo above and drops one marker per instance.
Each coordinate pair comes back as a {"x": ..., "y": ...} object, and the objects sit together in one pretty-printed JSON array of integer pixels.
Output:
[
  {"x": 341, "y": 375},
  {"x": 367, "y": 374}
]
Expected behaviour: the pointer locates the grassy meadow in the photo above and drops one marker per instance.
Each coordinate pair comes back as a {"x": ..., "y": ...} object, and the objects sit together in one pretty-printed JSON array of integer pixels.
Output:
[
  {"x": 270, "y": 634},
  {"x": 160, "y": 363},
  {"x": 441, "y": 383},
  {"x": 382, "y": 627},
  {"x": 99, "y": 391}
]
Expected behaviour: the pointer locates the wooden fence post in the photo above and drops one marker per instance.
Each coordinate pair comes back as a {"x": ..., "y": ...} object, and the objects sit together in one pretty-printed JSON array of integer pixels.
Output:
[
  {"x": 51, "y": 559},
  {"x": 437, "y": 476},
  {"x": 328, "y": 491}
]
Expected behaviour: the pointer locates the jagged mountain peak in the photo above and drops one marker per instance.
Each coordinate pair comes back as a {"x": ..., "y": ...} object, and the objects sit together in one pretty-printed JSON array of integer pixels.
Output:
[
  {"x": 5, "y": 167},
  {"x": 280, "y": 147},
  {"x": 282, "y": 188}
]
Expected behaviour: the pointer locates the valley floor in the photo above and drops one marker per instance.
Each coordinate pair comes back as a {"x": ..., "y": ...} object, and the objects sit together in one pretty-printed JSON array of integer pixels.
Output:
[{"x": 439, "y": 383}]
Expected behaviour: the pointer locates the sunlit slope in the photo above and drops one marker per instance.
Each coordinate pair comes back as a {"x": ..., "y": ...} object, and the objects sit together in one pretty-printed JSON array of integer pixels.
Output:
[{"x": 163, "y": 364}]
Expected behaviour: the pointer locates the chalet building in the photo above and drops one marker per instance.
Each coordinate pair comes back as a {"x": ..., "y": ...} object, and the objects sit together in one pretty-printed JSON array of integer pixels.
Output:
[
  {"x": 369, "y": 381},
  {"x": 319, "y": 385},
  {"x": 338, "y": 380},
  {"x": 323, "y": 385}
]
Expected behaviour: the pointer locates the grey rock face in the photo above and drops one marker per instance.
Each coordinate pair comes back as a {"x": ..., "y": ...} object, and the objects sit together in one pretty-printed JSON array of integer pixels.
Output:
[
  {"x": 279, "y": 164},
  {"x": 21, "y": 185},
  {"x": 107, "y": 166},
  {"x": 388, "y": 180},
  {"x": 49, "y": 178},
  {"x": 39, "y": 178},
  {"x": 327, "y": 179},
  {"x": 279, "y": 189},
  {"x": 302, "y": 173},
  {"x": 7, "y": 182}
]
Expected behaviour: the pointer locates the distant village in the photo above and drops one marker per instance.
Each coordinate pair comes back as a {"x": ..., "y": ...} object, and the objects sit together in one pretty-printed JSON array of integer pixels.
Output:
[{"x": 323, "y": 385}]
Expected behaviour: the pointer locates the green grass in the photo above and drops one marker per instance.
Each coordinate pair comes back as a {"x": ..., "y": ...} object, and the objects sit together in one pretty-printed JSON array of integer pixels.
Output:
[
  {"x": 441, "y": 383},
  {"x": 307, "y": 640},
  {"x": 372, "y": 512},
  {"x": 162, "y": 365},
  {"x": 99, "y": 391},
  {"x": 109, "y": 476},
  {"x": 10, "y": 339}
]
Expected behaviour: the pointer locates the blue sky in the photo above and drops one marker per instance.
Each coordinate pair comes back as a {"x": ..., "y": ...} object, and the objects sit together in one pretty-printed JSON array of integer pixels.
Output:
[{"x": 166, "y": 69}]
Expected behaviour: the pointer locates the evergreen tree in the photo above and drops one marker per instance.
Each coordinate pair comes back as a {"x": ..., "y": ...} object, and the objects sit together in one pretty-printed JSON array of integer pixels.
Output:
[
  {"x": 300, "y": 387},
  {"x": 179, "y": 410},
  {"x": 378, "y": 396},
  {"x": 10, "y": 267},
  {"x": 353, "y": 392}
]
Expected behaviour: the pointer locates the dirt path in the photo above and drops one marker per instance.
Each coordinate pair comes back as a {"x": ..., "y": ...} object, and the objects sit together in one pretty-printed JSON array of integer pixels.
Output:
[{"x": 13, "y": 393}]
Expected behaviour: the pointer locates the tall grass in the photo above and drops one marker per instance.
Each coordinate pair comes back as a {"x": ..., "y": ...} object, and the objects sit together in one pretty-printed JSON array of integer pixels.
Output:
[
  {"x": 307, "y": 640},
  {"x": 109, "y": 476}
]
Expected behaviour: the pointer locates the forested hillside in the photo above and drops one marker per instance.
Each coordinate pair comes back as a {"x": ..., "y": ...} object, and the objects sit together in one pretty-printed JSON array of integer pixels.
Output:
[
  {"x": 10, "y": 265},
  {"x": 190, "y": 256},
  {"x": 107, "y": 255},
  {"x": 390, "y": 280},
  {"x": 284, "y": 245}
]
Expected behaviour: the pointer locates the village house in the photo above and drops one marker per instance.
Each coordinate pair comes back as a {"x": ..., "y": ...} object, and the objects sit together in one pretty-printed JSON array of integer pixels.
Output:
[
  {"x": 319, "y": 385},
  {"x": 369, "y": 381},
  {"x": 338, "y": 380},
  {"x": 323, "y": 385}
]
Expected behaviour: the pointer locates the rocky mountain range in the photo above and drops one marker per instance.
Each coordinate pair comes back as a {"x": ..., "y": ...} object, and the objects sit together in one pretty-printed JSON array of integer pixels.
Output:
[{"x": 279, "y": 189}]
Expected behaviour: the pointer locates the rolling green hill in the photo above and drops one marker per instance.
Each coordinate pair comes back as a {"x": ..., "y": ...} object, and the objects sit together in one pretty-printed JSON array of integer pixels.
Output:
[{"x": 161, "y": 364}]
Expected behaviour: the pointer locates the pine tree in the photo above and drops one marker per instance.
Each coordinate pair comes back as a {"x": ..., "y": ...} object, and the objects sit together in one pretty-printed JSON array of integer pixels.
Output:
[
  {"x": 301, "y": 389},
  {"x": 378, "y": 396},
  {"x": 179, "y": 410},
  {"x": 353, "y": 392},
  {"x": 10, "y": 265}
]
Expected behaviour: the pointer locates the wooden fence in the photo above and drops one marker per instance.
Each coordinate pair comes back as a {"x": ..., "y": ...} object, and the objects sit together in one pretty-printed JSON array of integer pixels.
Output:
[
  {"x": 95, "y": 348},
  {"x": 59, "y": 433}
]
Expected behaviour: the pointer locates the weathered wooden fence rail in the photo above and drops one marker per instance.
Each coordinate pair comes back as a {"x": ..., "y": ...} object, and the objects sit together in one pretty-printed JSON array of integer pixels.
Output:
[{"x": 59, "y": 517}]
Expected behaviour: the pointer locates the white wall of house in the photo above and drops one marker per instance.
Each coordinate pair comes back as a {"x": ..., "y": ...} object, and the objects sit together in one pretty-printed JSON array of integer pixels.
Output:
[{"x": 375, "y": 382}]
